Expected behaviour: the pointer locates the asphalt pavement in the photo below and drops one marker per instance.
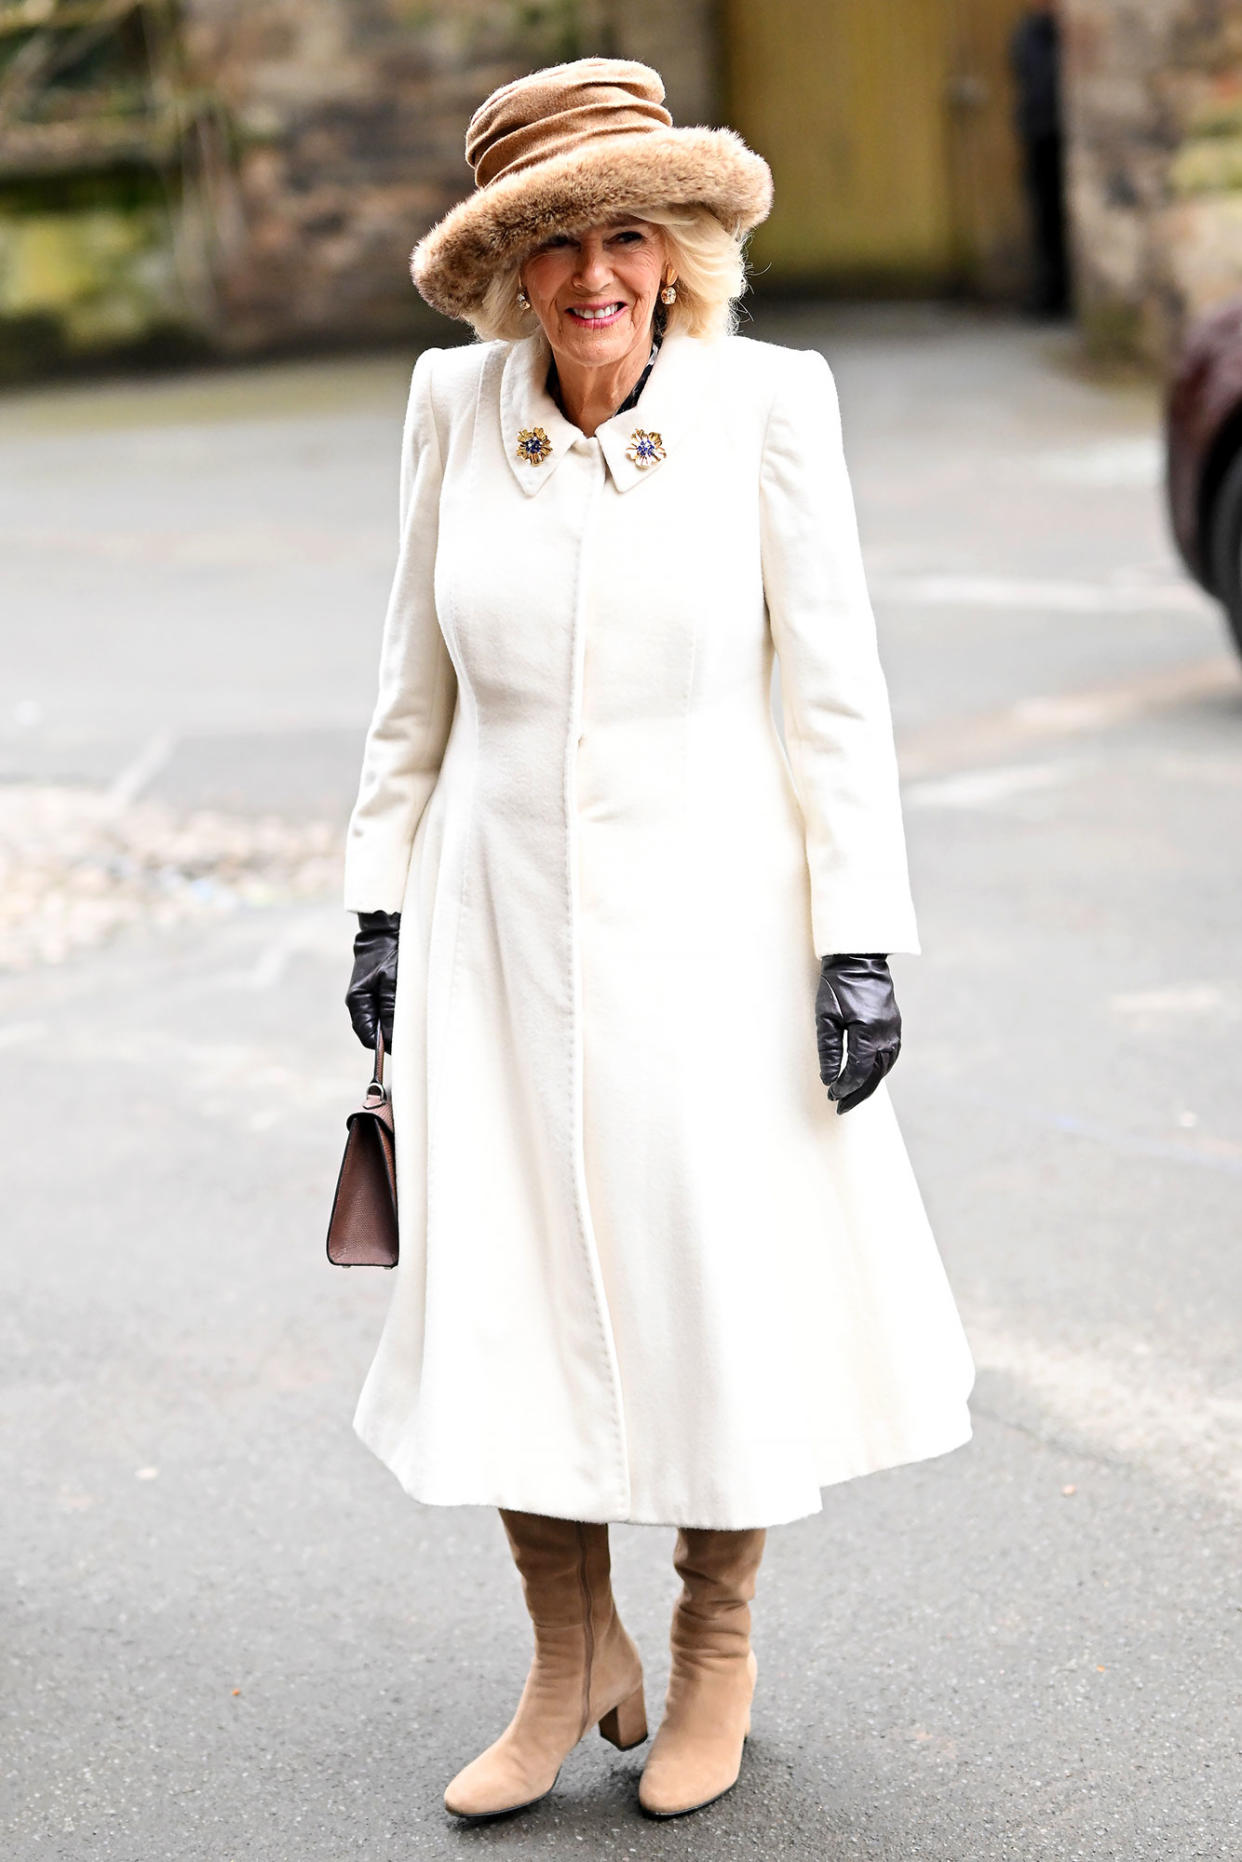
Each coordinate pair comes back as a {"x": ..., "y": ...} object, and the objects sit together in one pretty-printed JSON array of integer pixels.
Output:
[{"x": 228, "y": 1636}]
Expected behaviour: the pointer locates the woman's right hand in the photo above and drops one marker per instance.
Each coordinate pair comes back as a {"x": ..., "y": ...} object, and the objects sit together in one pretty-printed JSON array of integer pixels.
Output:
[{"x": 373, "y": 985}]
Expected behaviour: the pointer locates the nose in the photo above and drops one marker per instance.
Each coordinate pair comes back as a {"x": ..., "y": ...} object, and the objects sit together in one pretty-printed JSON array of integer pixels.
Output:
[{"x": 593, "y": 268}]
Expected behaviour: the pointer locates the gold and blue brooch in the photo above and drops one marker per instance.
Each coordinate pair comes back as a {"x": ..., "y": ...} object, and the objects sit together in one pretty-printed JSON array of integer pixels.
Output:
[
  {"x": 644, "y": 448},
  {"x": 533, "y": 445}
]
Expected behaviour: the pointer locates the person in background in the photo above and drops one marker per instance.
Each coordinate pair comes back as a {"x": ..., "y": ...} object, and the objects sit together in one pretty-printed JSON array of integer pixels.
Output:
[{"x": 1035, "y": 56}]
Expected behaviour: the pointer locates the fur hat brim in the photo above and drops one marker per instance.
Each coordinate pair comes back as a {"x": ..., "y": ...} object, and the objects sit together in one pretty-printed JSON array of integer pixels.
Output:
[{"x": 605, "y": 177}]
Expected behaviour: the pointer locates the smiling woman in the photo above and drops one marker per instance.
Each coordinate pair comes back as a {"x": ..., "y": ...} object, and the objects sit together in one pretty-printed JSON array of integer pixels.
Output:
[{"x": 647, "y": 1272}]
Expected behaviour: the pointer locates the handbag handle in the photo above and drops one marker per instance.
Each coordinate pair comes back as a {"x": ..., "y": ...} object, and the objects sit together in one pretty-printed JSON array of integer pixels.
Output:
[{"x": 377, "y": 1093}]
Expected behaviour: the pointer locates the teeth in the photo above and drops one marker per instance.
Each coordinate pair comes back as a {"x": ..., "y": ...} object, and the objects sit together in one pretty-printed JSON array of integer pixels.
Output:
[{"x": 607, "y": 310}]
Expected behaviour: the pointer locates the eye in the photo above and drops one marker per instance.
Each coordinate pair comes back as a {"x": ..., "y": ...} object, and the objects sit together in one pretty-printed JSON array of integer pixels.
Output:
[
  {"x": 557, "y": 239},
  {"x": 630, "y": 236}
]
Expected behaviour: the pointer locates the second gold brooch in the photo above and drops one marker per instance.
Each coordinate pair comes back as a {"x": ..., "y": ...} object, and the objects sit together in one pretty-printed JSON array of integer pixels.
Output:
[{"x": 644, "y": 448}]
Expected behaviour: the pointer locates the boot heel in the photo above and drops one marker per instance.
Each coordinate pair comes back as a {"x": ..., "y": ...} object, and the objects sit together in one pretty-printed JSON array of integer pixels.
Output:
[{"x": 626, "y": 1725}]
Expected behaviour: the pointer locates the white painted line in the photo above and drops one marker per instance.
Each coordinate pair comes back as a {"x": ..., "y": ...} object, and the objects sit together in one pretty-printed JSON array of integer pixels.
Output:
[
  {"x": 983, "y": 788},
  {"x": 1016, "y": 594},
  {"x": 130, "y": 782},
  {"x": 1105, "y": 465},
  {"x": 1193, "y": 999},
  {"x": 318, "y": 936},
  {"x": 18, "y": 1033},
  {"x": 273, "y": 959}
]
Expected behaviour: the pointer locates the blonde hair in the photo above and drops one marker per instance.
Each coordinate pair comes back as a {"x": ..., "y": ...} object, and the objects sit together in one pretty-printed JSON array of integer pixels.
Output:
[{"x": 709, "y": 260}]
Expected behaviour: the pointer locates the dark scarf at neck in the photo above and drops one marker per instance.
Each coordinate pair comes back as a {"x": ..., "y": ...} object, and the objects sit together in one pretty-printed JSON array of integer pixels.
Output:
[{"x": 553, "y": 384}]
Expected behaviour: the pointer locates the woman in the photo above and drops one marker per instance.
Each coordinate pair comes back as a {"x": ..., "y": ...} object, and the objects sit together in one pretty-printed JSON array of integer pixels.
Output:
[{"x": 645, "y": 1273}]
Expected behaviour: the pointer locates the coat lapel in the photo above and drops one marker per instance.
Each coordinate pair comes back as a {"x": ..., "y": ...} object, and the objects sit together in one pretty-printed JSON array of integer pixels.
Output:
[
  {"x": 526, "y": 407},
  {"x": 635, "y": 444}
]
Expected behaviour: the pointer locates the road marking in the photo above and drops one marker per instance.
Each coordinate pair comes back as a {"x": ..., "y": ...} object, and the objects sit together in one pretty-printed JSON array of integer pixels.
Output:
[
  {"x": 993, "y": 736},
  {"x": 1106, "y": 464},
  {"x": 18, "y": 1033},
  {"x": 982, "y": 788},
  {"x": 1192, "y": 999},
  {"x": 327, "y": 934},
  {"x": 1037, "y": 595},
  {"x": 273, "y": 959},
  {"x": 129, "y": 783}
]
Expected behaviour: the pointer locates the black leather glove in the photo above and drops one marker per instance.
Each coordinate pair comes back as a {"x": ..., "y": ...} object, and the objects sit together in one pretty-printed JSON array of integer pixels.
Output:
[
  {"x": 857, "y": 1025},
  {"x": 373, "y": 985}
]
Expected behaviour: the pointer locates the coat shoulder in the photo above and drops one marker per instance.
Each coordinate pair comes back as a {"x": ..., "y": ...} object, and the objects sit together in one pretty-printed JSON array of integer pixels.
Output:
[
  {"x": 446, "y": 384},
  {"x": 793, "y": 390},
  {"x": 771, "y": 366},
  {"x": 452, "y": 376}
]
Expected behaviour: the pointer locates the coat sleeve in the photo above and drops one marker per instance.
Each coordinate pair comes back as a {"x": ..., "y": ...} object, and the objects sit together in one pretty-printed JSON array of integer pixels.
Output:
[
  {"x": 838, "y": 727},
  {"x": 417, "y": 682}
]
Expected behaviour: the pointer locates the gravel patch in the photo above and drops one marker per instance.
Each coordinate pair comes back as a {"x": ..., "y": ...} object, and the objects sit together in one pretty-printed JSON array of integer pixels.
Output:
[{"x": 76, "y": 865}]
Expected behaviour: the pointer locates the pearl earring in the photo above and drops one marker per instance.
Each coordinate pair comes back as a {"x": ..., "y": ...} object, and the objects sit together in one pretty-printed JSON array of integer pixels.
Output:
[
  {"x": 669, "y": 294},
  {"x": 523, "y": 302}
]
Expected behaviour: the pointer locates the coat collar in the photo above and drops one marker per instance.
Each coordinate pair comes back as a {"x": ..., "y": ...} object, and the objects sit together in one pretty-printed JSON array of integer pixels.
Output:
[{"x": 667, "y": 406}]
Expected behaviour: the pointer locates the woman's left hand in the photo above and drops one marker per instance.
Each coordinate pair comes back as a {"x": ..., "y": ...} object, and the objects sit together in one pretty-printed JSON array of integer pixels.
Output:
[{"x": 857, "y": 1025}]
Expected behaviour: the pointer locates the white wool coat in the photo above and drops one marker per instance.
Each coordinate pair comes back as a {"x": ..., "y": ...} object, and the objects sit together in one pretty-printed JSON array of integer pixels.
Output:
[{"x": 647, "y": 1272}]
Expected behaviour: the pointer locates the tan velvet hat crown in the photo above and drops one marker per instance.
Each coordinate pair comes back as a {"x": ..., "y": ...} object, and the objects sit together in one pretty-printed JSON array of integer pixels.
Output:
[{"x": 569, "y": 146}]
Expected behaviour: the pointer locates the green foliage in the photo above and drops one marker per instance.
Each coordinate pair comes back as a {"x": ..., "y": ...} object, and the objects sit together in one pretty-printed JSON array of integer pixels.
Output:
[
  {"x": 1210, "y": 166},
  {"x": 1222, "y": 116},
  {"x": 95, "y": 170},
  {"x": 123, "y": 188}
]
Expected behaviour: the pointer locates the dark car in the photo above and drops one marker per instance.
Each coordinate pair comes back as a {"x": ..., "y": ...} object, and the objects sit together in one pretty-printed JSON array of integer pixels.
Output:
[{"x": 1203, "y": 437}]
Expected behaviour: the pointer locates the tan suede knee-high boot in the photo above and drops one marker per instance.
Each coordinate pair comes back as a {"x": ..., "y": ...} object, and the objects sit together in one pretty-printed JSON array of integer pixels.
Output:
[
  {"x": 697, "y": 1753},
  {"x": 585, "y": 1669}
]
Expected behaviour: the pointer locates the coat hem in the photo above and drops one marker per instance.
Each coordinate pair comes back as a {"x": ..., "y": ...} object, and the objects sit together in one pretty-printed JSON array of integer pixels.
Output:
[{"x": 926, "y": 1446}]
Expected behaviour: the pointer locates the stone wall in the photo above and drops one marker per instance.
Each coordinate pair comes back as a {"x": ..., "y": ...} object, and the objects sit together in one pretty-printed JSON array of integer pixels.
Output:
[
  {"x": 254, "y": 176},
  {"x": 278, "y": 166},
  {"x": 1155, "y": 166},
  {"x": 349, "y": 120}
]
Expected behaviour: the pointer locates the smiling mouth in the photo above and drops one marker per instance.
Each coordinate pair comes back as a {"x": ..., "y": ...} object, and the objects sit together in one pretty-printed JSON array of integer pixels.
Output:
[{"x": 596, "y": 315}]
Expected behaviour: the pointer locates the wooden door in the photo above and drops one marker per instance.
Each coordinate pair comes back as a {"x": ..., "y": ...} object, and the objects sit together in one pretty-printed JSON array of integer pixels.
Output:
[
  {"x": 985, "y": 174},
  {"x": 888, "y": 124}
]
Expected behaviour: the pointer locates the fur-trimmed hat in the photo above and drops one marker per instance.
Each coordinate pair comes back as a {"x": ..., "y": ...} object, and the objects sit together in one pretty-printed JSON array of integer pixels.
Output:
[{"x": 567, "y": 147}]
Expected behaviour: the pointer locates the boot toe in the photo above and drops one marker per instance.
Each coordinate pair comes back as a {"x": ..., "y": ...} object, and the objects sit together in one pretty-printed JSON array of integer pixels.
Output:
[
  {"x": 676, "y": 1795},
  {"x": 675, "y": 1790},
  {"x": 490, "y": 1787}
]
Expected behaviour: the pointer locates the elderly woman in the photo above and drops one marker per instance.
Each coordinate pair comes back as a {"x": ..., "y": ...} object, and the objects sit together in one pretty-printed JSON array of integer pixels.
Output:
[{"x": 647, "y": 1273}]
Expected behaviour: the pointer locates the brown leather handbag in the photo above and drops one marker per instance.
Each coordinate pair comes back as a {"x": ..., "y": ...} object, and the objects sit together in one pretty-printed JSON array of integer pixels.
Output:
[{"x": 362, "y": 1229}]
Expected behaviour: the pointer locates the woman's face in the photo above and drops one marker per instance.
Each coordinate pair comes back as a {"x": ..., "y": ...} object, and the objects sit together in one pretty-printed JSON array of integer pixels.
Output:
[{"x": 594, "y": 292}]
